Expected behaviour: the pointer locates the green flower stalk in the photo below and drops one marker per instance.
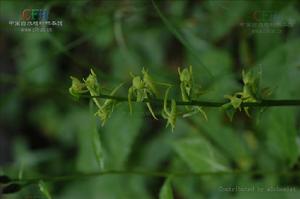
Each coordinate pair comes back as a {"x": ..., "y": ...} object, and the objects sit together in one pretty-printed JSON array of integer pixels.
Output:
[{"x": 143, "y": 90}]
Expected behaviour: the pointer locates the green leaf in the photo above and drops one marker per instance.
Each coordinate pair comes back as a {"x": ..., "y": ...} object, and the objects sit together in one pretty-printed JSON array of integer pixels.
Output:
[
  {"x": 44, "y": 190},
  {"x": 280, "y": 127},
  {"x": 220, "y": 63},
  {"x": 108, "y": 187},
  {"x": 223, "y": 16},
  {"x": 199, "y": 155},
  {"x": 282, "y": 64},
  {"x": 119, "y": 135},
  {"x": 85, "y": 122},
  {"x": 166, "y": 190},
  {"x": 224, "y": 138},
  {"x": 97, "y": 147}
]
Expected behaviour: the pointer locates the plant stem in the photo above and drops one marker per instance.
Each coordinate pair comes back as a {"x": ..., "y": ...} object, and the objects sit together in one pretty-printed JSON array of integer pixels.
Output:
[
  {"x": 158, "y": 174},
  {"x": 262, "y": 103}
]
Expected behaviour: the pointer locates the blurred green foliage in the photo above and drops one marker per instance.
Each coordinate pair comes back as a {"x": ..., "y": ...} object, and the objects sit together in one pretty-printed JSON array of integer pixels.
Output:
[{"x": 45, "y": 132}]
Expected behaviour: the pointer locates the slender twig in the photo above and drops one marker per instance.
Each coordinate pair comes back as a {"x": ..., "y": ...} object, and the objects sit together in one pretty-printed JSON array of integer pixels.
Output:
[
  {"x": 261, "y": 103},
  {"x": 158, "y": 174}
]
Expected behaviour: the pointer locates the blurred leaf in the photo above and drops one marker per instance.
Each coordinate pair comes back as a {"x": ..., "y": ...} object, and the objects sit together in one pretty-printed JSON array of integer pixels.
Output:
[
  {"x": 119, "y": 134},
  {"x": 97, "y": 146},
  {"x": 186, "y": 187},
  {"x": 199, "y": 155},
  {"x": 85, "y": 122},
  {"x": 280, "y": 128},
  {"x": 160, "y": 146},
  {"x": 152, "y": 47},
  {"x": 223, "y": 16},
  {"x": 225, "y": 139},
  {"x": 46, "y": 117},
  {"x": 122, "y": 63},
  {"x": 280, "y": 125},
  {"x": 166, "y": 190},
  {"x": 108, "y": 187},
  {"x": 35, "y": 64},
  {"x": 266, "y": 42},
  {"x": 220, "y": 64},
  {"x": 26, "y": 159},
  {"x": 281, "y": 64},
  {"x": 44, "y": 190},
  {"x": 180, "y": 38}
]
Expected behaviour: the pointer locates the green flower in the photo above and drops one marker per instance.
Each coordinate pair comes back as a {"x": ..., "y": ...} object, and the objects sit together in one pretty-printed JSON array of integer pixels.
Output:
[
  {"x": 106, "y": 109},
  {"x": 137, "y": 82},
  {"x": 251, "y": 85},
  {"x": 186, "y": 82},
  {"x": 169, "y": 115},
  {"x": 250, "y": 93},
  {"x": 92, "y": 84},
  {"x": 235, "y": 101},
  {"x": 77, "y": 87},
  {"x": 185, "y": 75},
  {"x": 189, "y": 92},
  {"x": 141, "y": 89}
]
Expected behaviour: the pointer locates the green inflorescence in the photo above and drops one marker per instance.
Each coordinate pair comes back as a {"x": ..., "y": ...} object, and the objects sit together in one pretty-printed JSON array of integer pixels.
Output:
[{"x": 145, "y": 89}]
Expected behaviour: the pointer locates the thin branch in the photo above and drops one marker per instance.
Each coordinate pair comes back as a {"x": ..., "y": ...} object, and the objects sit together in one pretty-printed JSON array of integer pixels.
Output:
[
  {"x": 159, "y": 174},
  {"x": 261, "y": 103}
]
